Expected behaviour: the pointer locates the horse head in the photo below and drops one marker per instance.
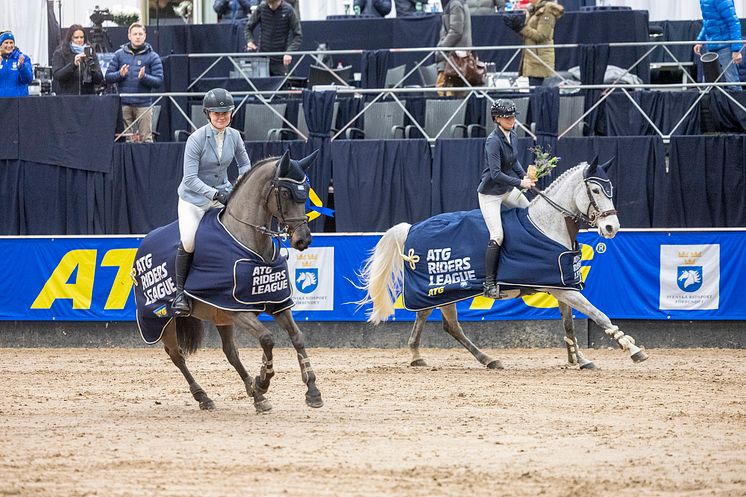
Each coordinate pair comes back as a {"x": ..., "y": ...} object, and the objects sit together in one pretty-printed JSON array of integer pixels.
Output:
[
  {"x": 594, "y": 198},
  {"x": 286, "y": 200}
]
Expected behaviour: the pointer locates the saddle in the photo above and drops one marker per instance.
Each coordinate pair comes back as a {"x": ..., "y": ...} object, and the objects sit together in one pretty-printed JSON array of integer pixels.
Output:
[{"x": 444, "y": 259}]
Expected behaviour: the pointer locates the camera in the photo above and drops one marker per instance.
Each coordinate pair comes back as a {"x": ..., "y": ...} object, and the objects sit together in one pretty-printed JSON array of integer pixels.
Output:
[
  {"x": 98, "y": 16},
  {"x": 88, "y": 51}
]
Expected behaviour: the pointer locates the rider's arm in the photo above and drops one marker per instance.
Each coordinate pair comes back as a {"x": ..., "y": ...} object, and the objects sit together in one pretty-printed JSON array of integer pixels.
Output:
[
  {"x": 494, "y": 162},
  {"x": 192, "y": 156}
]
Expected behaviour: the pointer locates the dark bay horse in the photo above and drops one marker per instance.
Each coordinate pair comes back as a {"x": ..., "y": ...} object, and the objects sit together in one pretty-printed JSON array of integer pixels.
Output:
[
  {"x": 583, "y": 193},
  {"x": 261, "y": 196}
]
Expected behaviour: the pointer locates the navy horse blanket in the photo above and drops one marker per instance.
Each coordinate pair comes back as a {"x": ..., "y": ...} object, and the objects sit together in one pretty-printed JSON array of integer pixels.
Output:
[
  {"x": 444, "y": 258},
  {"x": 224, "y": 274}
]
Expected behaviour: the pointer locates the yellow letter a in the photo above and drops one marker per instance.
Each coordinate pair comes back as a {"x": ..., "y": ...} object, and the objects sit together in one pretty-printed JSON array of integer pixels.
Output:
[{"x": 56, "y": 287}]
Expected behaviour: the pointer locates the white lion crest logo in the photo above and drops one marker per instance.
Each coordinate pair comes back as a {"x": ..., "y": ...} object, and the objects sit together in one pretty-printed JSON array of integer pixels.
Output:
[
  {"x": 690, "y": 277},
  {"x": 305, "y": 280}
]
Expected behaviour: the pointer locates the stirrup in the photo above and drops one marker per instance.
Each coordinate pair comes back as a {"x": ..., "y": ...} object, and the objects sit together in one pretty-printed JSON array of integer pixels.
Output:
[
  {"x": 181, "y": 306},
  {"x": 492, "y": 291}
]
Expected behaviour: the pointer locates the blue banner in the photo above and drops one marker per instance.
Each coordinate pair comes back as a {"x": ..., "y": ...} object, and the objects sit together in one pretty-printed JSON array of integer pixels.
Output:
[{"x": 636, "y": 275}]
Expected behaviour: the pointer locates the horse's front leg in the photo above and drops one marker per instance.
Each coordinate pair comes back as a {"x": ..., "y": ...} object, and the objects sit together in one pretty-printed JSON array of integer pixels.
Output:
[
  {"x": 416, "y": 335},
  {"x": 574, "y": 355},
  {"x": 231, "y": 353},
  {"x": 575, "y": 299},
  {"x": 171, "y": 345},
  {"x": 453, "y": 328},
  {"x": 251, "y": 322},
  {"x": 285, "y": 319}
]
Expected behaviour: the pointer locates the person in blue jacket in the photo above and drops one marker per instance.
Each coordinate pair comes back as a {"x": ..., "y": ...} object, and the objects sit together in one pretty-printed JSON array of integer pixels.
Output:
[
  {"x": 136, "y": 68},
  {"x": 376, "y": 8},
  {"x": 233, "y": 10},
  {"x": 15, "y": 68},
  {"x": 209, "y": 152},
  {"x": 500, "y": 182},
  {"x": 720, "y": 23}
]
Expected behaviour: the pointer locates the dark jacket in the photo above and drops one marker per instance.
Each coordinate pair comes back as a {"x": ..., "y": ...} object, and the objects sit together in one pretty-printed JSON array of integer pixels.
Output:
[
  {"x": 14, "y": 80},
  {"x": 503, "y": 171},
  {"x": 378, "y": 8},
  {"x": 68, "y": 76},
  {"x": 407, "y": 7},
  {"x": 144, "y": 57},
  {"x": 225, "y": 12},
  {"x": 719, "y": 22},
  {"x": 280, "y": 31}
]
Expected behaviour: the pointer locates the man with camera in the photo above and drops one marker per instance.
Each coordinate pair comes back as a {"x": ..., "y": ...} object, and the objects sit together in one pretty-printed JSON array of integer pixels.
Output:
[
  {"x": 75, "y": 65},
  {"x": 136, "y": 68}
]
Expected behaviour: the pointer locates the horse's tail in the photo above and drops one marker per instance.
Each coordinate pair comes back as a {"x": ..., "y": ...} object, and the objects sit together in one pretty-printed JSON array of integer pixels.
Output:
[
  {"x": 383, "y": 273},
  {"x": 189, "y": 332}
]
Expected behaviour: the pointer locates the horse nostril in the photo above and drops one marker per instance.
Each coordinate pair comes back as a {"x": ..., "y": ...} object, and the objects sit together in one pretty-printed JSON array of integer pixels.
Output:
[{"x": 609, "y": 228}]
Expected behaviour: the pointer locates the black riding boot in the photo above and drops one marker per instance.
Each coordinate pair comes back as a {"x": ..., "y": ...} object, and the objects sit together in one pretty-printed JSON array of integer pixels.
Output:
[
  {"x": 180, "y": 304},
  {"x": 491, "y": 256}
]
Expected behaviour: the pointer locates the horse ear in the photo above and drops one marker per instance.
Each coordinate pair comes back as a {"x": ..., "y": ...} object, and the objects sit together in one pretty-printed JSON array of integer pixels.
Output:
[
  {"x": 607, "y": 165},
  {"x": 307, "y": 162},
  {"x": 590, "y": 170},
  {"x": 283, "y": 165}
]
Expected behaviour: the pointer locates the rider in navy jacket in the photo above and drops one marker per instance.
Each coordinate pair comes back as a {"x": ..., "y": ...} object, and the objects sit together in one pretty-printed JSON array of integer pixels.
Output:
[
  {"x": 15, "y": 68},
  {"x": 500, "y": 182},
  {"x": 720, "y": 23}
]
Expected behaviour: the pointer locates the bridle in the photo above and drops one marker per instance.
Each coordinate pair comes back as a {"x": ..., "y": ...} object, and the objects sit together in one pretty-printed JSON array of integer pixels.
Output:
[{"x": 590, "y": 218}]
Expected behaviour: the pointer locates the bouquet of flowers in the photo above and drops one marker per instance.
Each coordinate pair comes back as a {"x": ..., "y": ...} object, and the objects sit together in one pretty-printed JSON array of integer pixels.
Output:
[
  {"x": 543, "y": 164},
  {"x": 124, "y": 16}
]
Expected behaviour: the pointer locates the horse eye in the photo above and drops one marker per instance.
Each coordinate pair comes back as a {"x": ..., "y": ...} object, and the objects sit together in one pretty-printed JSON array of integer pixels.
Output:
[{"x": 596, "y": 191}]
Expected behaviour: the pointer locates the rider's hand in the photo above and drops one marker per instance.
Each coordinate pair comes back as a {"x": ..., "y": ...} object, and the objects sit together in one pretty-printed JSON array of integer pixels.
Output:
[
  {"x": 221, "y": 197},
  {"x": 527, "y": 183}
]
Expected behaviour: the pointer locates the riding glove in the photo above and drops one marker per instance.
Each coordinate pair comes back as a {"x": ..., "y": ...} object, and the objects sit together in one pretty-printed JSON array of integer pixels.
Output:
[{"x": 221, "y": 197}]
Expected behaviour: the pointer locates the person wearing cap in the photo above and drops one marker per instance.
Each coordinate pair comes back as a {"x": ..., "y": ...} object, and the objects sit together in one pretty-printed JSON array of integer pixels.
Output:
[
  {"x": 15, "y": 68},
  {"x": 209, "y": 152},
  {"x": 500, "y": 182}
]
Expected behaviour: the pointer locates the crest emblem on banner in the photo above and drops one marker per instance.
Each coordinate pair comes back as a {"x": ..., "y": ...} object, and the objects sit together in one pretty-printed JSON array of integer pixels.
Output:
[
  {"x": 306, "y": 279},
  {"x": 689, "y": 278}
]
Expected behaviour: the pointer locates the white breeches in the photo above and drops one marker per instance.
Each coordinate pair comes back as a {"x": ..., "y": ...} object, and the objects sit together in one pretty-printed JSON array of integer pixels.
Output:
[
  {"x": 189, "y": 217},
  {"x": 490, "y": 207}
]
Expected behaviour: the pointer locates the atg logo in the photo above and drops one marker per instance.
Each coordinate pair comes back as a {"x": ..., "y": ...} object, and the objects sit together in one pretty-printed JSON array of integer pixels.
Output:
[
  {"x": 306, "y": 279},
  {"x": 689, "y": 278}
]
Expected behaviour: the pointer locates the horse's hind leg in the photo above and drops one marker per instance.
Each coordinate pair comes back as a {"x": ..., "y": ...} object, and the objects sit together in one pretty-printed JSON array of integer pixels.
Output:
[
  {"x": 416, "y": 335},
  {"x": 231, "y": 353},
  {"x": 171, "y": 345},
  {"x": 261, "y": 383},
  {"x": 313, "y": 395},
  {"x": 576, "y": 300},
  {"x": 453, "y": 328},
  {"x": 574, "y": 356}
]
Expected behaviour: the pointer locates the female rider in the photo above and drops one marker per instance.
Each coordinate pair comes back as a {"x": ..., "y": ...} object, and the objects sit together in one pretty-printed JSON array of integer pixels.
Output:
[
  {"x": 209, "y": 152},
  {"x": 500, "y": 182}
]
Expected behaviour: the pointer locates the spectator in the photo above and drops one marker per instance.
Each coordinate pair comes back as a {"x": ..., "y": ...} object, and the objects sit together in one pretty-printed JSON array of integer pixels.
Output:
[
  {"x": 538, "y": 63},
  {"x": 501, "y": 179},
  {"x": 376, "y": 8},
  {"x": 408, "y": 7},
  {"x": 15, "y": 68},
  {"x": 720, "y": 23},
  {"x": 233, "y": 10},
  {"x": 136, "y": 68},
  {"x": 281, "y": 32},
  {"x": 75, "y": 66},
  {"x": 455, "y": 31},
  {"x": 485, "y": 7},
  {"x": 521, "y": 4},
  {"x": 209, "y": 152}
]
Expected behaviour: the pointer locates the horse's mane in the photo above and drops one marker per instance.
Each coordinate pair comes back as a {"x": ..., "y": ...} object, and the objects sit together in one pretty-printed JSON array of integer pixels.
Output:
[
  {"x": 254, "y": 168},
  {"x": 554, "y": 184}
]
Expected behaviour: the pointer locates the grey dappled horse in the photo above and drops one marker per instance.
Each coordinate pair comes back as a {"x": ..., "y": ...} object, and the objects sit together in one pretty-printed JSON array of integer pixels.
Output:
[
  {"x": 576, "y": 195},
  {"x": 256, "y": 201}
]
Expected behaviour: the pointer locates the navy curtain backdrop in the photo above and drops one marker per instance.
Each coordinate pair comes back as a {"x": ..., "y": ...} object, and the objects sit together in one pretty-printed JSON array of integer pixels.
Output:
[{"x": 696, "y": 181}]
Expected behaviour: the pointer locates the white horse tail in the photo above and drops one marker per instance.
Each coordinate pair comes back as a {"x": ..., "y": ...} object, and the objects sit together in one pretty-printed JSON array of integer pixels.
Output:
[{"x": 383, "y": 273}]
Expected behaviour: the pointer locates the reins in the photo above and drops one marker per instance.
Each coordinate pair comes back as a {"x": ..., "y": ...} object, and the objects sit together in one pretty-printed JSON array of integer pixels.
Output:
[{"x": 590, "y": 220}]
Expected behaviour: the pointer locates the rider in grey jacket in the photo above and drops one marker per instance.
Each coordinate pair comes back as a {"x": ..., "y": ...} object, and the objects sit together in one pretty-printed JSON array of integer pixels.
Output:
[{"x": 209, "y": 152}]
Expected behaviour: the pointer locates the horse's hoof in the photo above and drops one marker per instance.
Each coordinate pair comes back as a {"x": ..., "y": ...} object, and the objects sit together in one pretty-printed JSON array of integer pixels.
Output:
[
  {"x": 639, "y": 356},
  {"x": 495, "y": 365},
  {"x": 262, "y": 406},
  {"x": 418, "y": 363},
  {"x": 314, "y": 402},
  {"x": 207, "y": 405},
  {"x": 589, "y": 365}
]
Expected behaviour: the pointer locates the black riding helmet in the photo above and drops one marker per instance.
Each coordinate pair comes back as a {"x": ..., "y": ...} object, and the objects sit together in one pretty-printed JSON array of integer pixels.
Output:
[
  {"x": 217, "y": 100},
  {"x": 502, "y": 107}
]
